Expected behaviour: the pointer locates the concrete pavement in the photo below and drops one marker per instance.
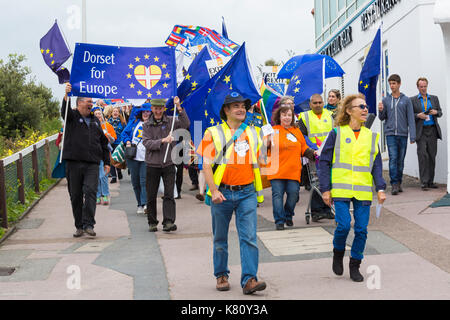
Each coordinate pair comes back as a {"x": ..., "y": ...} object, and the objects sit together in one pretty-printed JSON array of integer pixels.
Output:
[{"x": 406, "y": 257}]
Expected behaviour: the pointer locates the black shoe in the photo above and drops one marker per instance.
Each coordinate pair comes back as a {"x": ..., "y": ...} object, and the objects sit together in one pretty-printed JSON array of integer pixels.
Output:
[
  {"x": 424, "y": 186},
  {"x": 200, "y": 197},
  {"x": 179, "y": 196},
  {"x": 338, "y": 262},
  {"x": 113, "y": 180},
  {"x": 90, "y": 231},
  {"x": 78, "y": 233},
  {"x": 432, "y": 186},
  {"x": 355, "y": 275},
  {"x": 316, "y": 216},
  {"x": 170, "y": 227},
  {"x": 289, "y": 223},
  {"x": 400, "y": 189},
  {"x": 119, "y": 175},
  {"x": 153, "y": 228},
  {"x": 394, "y": 191},
  {"x": 308, "y": 187},
  {"x": 280, "y": 226}
]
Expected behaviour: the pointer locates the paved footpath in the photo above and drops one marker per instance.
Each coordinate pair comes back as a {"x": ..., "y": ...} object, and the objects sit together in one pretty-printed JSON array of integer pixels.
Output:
[{"x": 406, "y": 257}]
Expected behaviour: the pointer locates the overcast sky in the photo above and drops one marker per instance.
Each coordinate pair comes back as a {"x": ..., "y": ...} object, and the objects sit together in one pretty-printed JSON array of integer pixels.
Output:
[{"x": 268, "y": 27}]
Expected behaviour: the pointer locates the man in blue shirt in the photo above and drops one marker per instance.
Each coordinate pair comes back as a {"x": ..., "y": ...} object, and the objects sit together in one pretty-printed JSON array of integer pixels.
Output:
[{"x": 427, "y": 110}]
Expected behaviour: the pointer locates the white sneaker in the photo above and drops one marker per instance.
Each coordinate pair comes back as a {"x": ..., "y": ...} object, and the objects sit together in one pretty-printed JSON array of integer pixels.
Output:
[{"x": 140, "y": 210}]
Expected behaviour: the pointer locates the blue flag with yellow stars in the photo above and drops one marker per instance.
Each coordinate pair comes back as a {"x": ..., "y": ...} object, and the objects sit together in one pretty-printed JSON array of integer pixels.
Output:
[
  {"x": 368, "y": 78},
  {"x": 306, "y": 81},
  {"x": 55, "y": 52},
  {"x": 110, "y": 72},
  {"x": 203, "y": 106}
]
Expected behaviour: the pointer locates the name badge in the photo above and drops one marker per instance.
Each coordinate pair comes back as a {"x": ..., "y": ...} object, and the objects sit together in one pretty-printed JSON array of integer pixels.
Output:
[
  {"x": 291, "y": 137},
  {"x": 241, "y": 148}
]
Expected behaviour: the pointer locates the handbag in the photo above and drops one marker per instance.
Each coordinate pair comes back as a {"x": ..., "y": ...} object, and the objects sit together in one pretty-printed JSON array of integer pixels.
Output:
[
  {"x": 130, "y": 151},
  {"x": 119, "y": 153}
]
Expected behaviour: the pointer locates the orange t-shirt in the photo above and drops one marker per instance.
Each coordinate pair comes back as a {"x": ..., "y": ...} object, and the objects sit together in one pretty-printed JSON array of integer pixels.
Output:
[
  {"x": 288, "y": 146},
  {"x": 239, "y": 170},
  {"x": 356, "y": 134}
]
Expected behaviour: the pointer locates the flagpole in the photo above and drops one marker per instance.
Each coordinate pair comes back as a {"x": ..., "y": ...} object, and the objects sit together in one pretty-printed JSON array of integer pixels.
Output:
[
  {"x": 64, "y": 129},
  {"x": 171, "y": 130},
  {"x": 83, "y": 26},
  {"x": 264, "y": 110},
  {"x": 323, "y": 80},
  {"x": 381, "y": 60}
]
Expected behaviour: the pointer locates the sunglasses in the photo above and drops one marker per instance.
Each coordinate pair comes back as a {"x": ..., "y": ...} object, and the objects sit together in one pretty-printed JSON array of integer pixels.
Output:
[{"x": 362, "y": 106}]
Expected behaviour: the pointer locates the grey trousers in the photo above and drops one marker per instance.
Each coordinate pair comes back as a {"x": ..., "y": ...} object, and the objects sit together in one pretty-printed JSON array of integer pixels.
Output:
[{"x": 426, "y": 153}]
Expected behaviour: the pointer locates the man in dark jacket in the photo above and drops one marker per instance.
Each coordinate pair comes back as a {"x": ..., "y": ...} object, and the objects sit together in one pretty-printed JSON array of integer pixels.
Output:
[
  {"x": 427, "y": 110},
  {"x": 397, "y": 112},
  {"x": 156, "y": 138},
  {"x": 84, "y": 146}
]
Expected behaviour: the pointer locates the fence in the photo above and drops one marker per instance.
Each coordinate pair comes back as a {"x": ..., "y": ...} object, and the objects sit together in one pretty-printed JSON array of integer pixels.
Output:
[{"x": 25, "y": 170}]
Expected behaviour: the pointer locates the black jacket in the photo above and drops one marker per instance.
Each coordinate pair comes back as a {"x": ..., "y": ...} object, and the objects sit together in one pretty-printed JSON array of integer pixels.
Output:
[
  {"x": 417, "y": 106},
  {"x": 83, "y": 143}
]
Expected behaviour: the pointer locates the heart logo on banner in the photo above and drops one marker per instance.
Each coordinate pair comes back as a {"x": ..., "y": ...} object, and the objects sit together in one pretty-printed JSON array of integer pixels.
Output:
[{"x": 148, "y": 77}]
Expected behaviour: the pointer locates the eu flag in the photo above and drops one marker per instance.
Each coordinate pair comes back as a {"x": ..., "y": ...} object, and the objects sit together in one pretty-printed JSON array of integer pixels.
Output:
[
  {"x": 368, "y": 78},
  {"x": 55, "y": 52},
  {"x": 306, "y": 81},
  {"x": 205, "y": 103},
  {"x": 100, "y": 71},
  {"x": 332, "y": 68}
]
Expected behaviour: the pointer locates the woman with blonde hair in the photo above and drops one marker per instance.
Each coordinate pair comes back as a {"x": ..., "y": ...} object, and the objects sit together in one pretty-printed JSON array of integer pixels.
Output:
[{"x": 349, "y": 165}]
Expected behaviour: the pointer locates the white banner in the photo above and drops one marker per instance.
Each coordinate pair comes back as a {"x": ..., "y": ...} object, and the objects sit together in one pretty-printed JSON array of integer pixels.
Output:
[{"x": 215, "y": 65}]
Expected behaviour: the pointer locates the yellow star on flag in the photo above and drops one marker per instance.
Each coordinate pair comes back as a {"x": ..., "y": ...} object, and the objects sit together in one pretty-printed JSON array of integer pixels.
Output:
[
  {"x": 47, "y": 51},
  {"x": 130, "y": 66},
  {"x": 212, "y": 121},
  {"x": 366, "y": 86},
  {"x": 188, "y": 77},
  {"x": 51, "y": 55},
  {"x": 146, "y": 57},
  {"x": 167, "y": 75},
  {"x": 165, "y": 85},
  {"x": 158, "y": 92},
  {"x": 164, "y": 65},
  {"x": 206, "y": 113},
  {"x": 53, "y": 61},
  {"x": 129, "y": 76},
  {"x": 156, "y": 59},
  {"x": 297, "y": 82},
  {"x": 137, "y": 59},
  {"x": 131, "y": 85},
  {"x": 194, "y": 84},
  {"x": 42, "y": 50},
  {"x": 361, "y": 82},
  {"x": 296, "y": 90},
  {"x": 149, "y": 95},
  {"x": 139, "y": 92},
  {"x": 227, "y": 79}
]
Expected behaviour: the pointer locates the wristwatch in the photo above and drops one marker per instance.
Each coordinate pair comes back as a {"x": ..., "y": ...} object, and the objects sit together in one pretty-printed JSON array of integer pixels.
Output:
[{"x": 381, "y": 190}]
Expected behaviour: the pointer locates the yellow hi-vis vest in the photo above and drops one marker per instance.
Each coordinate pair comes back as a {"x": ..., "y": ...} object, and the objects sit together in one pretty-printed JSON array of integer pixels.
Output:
[
  {"x": 353, "y": 159},
  {"x": 317, "y": 128},
  {"x": 221, "y": 134}
]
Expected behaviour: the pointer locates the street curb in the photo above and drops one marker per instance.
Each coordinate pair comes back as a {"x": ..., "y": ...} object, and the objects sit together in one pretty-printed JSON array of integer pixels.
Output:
[{"x": 25, "y": 213}]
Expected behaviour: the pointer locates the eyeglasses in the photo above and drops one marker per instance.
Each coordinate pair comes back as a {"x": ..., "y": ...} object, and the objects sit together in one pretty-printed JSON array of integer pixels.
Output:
[{"x": 362, "y": 106}]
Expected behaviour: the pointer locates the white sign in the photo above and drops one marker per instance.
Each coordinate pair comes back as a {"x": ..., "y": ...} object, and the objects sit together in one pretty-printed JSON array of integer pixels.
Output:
[{"x": 215, "y": 65}]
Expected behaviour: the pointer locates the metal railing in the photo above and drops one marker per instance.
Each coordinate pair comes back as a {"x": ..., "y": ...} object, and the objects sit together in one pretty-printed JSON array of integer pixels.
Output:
[{"x": 25, "y": 170}]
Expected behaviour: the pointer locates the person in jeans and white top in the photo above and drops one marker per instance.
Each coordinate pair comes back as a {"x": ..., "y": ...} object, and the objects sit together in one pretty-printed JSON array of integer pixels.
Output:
[{"x": 132, "y": 134}]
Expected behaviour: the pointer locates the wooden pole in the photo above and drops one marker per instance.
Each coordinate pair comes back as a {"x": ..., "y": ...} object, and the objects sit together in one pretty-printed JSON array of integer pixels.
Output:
[
  {"x": 3, "y": 208},
  {"x": 34, "y": 159},
  {"x": 20, "y": 177}
]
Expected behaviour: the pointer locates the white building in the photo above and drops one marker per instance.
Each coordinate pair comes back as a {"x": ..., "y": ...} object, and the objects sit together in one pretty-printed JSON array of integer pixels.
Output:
[{"x": 413, "y": 47}]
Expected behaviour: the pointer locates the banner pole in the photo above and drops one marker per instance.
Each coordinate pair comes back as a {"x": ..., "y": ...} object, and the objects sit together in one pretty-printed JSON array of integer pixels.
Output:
[{"x": 171, "y": 130}]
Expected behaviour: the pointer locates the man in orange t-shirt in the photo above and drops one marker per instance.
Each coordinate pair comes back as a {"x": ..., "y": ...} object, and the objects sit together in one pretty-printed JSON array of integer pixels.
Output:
[{"x": 232, "y": 189}]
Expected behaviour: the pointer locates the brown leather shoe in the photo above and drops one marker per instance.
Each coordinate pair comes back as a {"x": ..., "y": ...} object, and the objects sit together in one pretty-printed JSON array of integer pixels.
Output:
[
  {"x": 222, "y": 283},
  {"x": 252, "y": 285}
]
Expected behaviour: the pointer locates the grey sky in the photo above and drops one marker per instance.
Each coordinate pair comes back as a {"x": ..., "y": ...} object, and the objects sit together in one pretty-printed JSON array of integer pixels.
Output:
[{"x": 269, "y": 28}]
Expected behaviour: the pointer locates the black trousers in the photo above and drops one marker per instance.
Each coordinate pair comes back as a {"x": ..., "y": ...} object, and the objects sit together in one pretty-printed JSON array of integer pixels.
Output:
[
  {"x": 179, "y": 178},
  {"x": 82, "y": 182},
  {"x": 153, "y": 177},
  {"x": 193, "y": 174},
  {"x": 426, "y": 153}
]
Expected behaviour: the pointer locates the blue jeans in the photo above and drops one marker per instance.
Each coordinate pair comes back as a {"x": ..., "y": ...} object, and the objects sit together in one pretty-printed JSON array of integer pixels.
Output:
[
  {"x": 343, "y": 219},
  {"x": 279, "y": 187},
  {"x": 138, "y": 172},
  {"x": 103, "y": 185},
  {"x": 397, "y": 152},
  {"x": 244, "y": 204}
]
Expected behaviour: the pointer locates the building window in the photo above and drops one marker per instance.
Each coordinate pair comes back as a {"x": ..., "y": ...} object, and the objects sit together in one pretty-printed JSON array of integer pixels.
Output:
[
  {"x": 341, "y": 4},
  {"x": 326, "y": 12}
]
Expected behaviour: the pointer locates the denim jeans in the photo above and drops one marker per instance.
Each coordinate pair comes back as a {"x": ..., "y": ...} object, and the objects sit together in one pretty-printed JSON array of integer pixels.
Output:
[
  {"x": 103, "y": 185},
  {"x": 244, "y": 204},
  {"x": 343, "y": 219},
  {"x": 279, "y": 187},
  {"x": 138, "y": 172},
  {"x": 397, "y": 152}
]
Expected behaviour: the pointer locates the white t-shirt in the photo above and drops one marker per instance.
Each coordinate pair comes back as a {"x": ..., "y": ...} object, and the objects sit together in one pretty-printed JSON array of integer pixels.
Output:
[{"x": 137, "y": 140}]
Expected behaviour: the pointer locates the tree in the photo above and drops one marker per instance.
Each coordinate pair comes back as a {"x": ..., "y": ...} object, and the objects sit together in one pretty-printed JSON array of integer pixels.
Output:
[{"x": 23, "y": 103}]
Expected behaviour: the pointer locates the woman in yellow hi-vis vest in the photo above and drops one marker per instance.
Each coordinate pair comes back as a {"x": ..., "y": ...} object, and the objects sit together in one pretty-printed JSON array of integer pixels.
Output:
[
  {"x": 229, "y": 152},
  {"x": 350, "y": 163}
]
